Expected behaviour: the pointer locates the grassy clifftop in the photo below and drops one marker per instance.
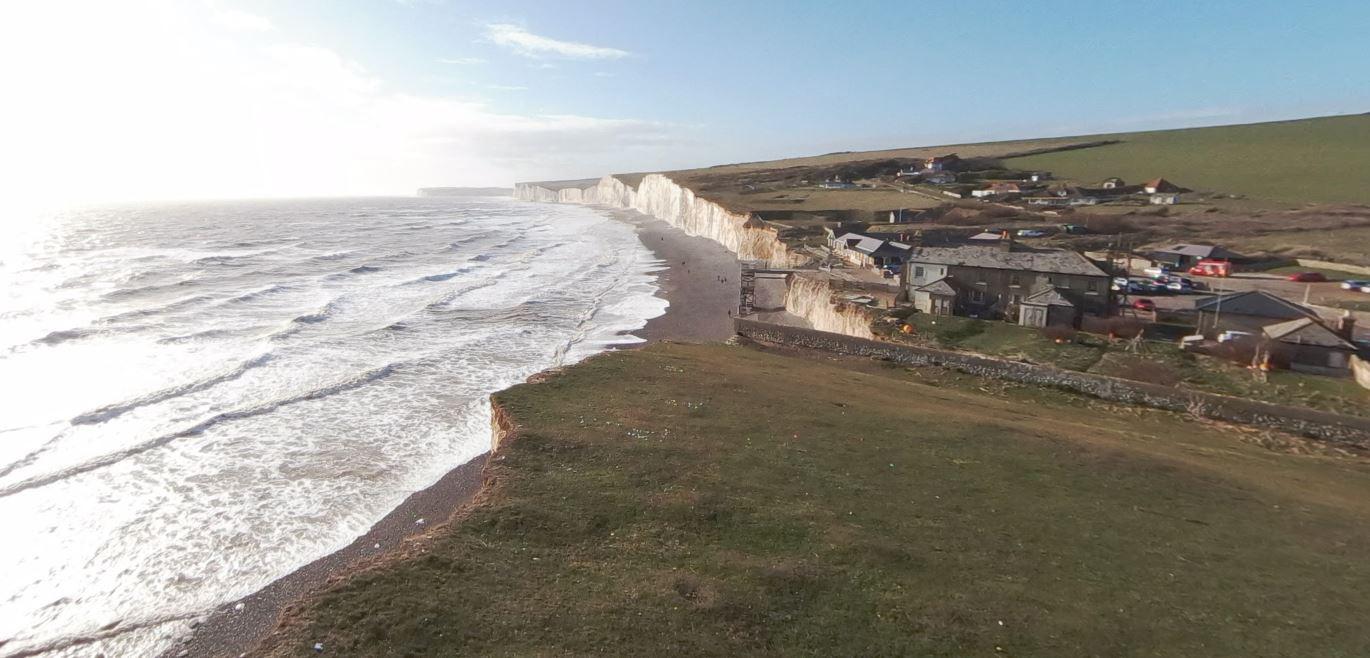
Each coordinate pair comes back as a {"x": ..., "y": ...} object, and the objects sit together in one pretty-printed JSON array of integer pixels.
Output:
[
  {"x": 1321, "y": 160},
  {"x": 721, "y": 500}
]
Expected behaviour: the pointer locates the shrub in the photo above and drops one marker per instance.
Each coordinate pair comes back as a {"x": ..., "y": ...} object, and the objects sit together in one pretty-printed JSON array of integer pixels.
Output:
[{"x": 1059, "y": 333}]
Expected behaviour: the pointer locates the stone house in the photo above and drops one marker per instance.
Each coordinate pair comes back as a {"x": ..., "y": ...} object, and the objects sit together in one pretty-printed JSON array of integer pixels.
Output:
[{"x": 996, "y": 281}]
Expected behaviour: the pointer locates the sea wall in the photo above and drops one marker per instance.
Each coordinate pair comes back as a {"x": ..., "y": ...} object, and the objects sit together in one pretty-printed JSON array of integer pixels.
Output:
[
  {"x": 1334, "y": 428},
  {"x": 658, "y": 196},
  {"x": 810, "y": 296}
]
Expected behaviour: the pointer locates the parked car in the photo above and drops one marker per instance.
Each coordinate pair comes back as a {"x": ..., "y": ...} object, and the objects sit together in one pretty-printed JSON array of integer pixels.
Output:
[
  {"x": 1231, "y": 335},
  {"x": 1031, "y": 233},
  {"x": 1355, "y": 284},
  {"x": 1122, "y": 281},
  {"x": 1180, "y": 285},
  {"x": 1074, "y": 229},
  {"x": 1144, "y": 305},
  {"x": 1156, "y": 272},
  {"x": 1307, "y": 277}
]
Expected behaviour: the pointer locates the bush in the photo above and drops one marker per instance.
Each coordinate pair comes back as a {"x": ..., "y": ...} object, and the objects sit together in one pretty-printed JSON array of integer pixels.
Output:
[{"x": 1059, "y": 333}]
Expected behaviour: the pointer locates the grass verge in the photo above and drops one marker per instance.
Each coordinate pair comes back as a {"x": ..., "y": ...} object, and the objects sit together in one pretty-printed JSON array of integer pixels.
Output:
[{"x": 718, "y": 500}]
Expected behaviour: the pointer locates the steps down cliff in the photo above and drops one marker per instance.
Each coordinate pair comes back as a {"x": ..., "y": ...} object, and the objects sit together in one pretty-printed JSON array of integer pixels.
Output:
[{"x": 657, "y": 195}]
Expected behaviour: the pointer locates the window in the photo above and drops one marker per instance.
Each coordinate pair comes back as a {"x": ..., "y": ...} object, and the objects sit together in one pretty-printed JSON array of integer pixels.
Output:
[
  {"x": 918, "y": 272},
  {"x": 977, "y": 296},
  {"x": 1013, "y": 280},
  {"x": 1092, "y": 286}
]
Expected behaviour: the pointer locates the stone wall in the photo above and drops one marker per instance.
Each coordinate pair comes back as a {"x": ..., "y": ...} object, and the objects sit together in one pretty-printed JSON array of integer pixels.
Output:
[{"x": 1335, "y": 428}]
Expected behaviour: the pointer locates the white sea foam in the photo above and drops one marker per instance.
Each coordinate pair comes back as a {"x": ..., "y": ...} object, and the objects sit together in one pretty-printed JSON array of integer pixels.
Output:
[{"x": 201, "y": 399}]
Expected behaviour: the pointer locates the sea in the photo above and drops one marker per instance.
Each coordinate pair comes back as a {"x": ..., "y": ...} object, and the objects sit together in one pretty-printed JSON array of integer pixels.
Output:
[{"x": 197, "y": 399}]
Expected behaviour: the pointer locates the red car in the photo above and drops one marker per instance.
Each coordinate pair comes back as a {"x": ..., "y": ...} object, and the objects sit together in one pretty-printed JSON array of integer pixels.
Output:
[
  {"x": 1144, "y": 305},
  {"x": 1307, "y": 277}
]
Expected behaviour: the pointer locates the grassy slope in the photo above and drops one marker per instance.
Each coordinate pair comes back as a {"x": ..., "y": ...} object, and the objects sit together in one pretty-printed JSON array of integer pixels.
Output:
[
  {"x": 720, "y": 500},
  {"x": 1309, "y": 160}
]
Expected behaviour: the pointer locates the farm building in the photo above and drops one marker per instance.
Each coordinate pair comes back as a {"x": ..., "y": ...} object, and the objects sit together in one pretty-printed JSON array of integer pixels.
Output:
[
  {"x": 1165, "y": 199},
  {"x": 1308, "y": 345},
  {"x": 866, "y": 251},
  {"x": 1249, "y": 311},
  {"x": 1181, "y": 257},
  {"x": 1112, "y": 183},
  {"x": 1160, "y": 186}
]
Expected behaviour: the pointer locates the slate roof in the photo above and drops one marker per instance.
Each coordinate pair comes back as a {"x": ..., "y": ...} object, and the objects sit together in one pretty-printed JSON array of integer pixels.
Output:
[
  {"x": 1257, "y": 303},
  {"x": 1307, "y": 331},
  {"x": 1199, "y": 251},
  {"x": 986, "y": 235},
  {"x": 1025, "y": 259},
  {"x": 874, "y": 246},
  {"x": 1052, "y": 296},
  {"x": 942, "y": 286}
]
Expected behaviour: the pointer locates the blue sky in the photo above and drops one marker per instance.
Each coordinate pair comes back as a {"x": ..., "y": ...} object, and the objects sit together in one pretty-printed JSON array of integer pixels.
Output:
[{"x": 541, "y": 89}]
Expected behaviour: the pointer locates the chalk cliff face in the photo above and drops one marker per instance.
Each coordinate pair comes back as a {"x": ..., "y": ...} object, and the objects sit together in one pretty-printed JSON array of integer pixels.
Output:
[
  {"x": 811, "y": 298},
  {"x": 663, "y": 198}
]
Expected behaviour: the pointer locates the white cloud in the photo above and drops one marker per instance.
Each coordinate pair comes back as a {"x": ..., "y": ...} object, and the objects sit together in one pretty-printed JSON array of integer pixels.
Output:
[
  {"x": 160, "y": 103},
  {"x": 526, "y": 43},
  {"x": 461, "y": 61},
  {"x": 507, "y": 87},
  {"x": 235, "y": 19}
]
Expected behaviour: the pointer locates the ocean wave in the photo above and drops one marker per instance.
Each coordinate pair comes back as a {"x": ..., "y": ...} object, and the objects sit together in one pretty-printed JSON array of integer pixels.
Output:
[
  {"x": 364, "y": 269},
  {"x": 258, "y": 294},
  {"x": 444, "y": 276},
  {"x": 155, "y": 310},
  {"x": 199, "y": 428},
  {"x": 114, "y": 410},
  {"x": 59, "y": 337}
]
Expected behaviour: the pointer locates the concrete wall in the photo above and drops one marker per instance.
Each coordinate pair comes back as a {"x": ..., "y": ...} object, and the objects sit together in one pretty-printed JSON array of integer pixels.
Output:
[{"x": 1335, "y": 428}]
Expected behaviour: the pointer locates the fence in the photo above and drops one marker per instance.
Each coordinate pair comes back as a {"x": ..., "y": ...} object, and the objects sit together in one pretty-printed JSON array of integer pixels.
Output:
[{"x": 1336, "y": 428}]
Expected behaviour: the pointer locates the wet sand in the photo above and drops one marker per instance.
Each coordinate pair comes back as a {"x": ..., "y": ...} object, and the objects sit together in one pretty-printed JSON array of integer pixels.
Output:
[{"x": 700, "y": 282}]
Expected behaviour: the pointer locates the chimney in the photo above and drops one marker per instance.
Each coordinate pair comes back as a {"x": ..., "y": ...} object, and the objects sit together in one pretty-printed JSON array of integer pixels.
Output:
[
  {"x": 1346, "y": 325},
  {"x": 1005, "y": 241}
]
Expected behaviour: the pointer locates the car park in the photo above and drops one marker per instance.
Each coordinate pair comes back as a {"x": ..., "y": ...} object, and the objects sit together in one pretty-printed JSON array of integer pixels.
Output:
[{"x": 1144, "y": 305}]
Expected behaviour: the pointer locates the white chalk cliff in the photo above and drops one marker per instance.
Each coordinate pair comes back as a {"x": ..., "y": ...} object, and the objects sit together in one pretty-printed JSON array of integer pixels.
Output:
[
  {"x": 662, "y": 198},
  {"x": 742, "y": 233},
  {"x": 811, "y": 298}
]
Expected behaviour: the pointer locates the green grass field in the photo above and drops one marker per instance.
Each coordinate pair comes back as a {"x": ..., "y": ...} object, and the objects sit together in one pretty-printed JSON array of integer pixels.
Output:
[
  {"x": 1310, "y": 160},
  {"x": 716, "y": 500}
]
